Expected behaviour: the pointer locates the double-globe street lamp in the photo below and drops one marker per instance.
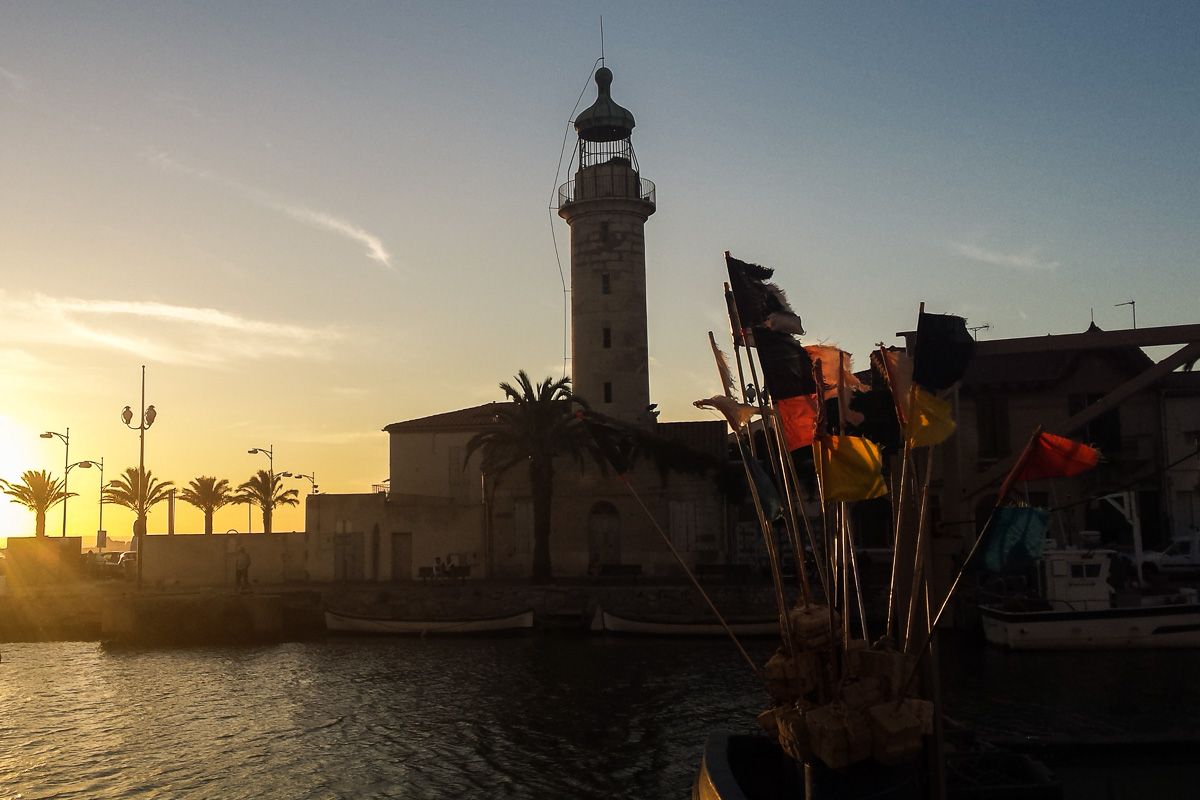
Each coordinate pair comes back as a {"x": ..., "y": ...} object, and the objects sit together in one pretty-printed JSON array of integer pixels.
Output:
[
  {"x": 310, "y": 478},
  {"x": 146, "y": 420},
  {"x": 66, "y": 440}
]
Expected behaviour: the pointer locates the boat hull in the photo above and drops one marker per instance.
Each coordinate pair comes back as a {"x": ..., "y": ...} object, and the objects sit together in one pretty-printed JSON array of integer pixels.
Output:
[
  {"x": 1173, "y": 626},
  {"x": 338, "y": 622},
  {"x": 604, "y": 622}
]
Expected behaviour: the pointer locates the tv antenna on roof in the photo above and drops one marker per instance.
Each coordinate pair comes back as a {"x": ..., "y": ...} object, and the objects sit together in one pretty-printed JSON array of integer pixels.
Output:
[
  {"x": 1132, "y": 307},
  {"x": 987, "y": 326}
]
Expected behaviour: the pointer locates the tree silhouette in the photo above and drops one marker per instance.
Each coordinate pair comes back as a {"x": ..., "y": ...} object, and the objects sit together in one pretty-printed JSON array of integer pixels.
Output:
[
  {"x": 139, "y": 492},
  {"x": 39, "y": 492},
  {"x": 208, "y": 494},
  {"x": 537, "y": 426},
  {"x": 266, "y": 491}
]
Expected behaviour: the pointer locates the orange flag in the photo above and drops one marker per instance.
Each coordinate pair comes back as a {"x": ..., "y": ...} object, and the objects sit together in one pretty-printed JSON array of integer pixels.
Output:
[
  {"x": 799, "y": 418},
  {"x": 1056, "y": 457}
]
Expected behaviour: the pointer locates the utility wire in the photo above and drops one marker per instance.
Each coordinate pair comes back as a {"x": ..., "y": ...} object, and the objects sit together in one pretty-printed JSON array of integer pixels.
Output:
[{"x": 552, "y": 207}]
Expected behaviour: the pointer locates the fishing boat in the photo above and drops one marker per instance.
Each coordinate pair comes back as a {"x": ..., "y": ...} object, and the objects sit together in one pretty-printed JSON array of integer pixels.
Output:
[
  {"x": 746, "y": 767},
  {"x": 1074, "y": 607},
  {"x": 607, "y": 622},
  {"x": 342, "y": 622}
]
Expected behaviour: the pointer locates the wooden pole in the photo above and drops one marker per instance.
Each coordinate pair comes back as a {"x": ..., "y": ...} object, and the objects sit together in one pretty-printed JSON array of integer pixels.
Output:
[{"x": 691, "y": 577}]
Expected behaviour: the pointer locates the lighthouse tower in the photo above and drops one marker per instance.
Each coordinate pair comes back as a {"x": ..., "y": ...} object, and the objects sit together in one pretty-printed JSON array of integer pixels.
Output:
[{"x": 606, "y": 207}]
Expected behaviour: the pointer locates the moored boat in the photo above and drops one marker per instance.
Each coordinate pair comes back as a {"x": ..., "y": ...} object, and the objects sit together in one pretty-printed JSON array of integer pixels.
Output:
[
  {"x": 342, "y": 622},
  {"x": 606, "y": 622},
  {"x": 1076, "y": 609}
]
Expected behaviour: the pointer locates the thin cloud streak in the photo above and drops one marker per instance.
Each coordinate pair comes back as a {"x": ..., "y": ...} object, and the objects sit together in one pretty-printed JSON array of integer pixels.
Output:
[
  {"x": 204, "y": 337},
  {"x": 18, "y": 83},
  {"x": 313, "y": 218},
  {"x": 1027, "y": 260}
]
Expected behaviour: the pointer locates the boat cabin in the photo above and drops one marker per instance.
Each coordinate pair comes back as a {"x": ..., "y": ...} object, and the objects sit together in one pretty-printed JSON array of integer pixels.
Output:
[{"x": 1074, "y": 579}]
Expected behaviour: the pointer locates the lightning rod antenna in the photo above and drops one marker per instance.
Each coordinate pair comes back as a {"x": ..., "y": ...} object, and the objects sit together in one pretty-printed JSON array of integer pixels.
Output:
[{"x": 601, "y": 40}]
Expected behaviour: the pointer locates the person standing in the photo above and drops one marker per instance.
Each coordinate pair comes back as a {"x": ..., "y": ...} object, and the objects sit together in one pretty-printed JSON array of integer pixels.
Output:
[{"x": 242, "y": 564}]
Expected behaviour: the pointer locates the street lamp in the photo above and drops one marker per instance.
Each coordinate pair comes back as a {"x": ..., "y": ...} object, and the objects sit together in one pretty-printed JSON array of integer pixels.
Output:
[
  {"x": 310, "y": 478},
  {"x": 269, "y": 452},
  {"x": 147, "y": 419},
  {"x": 88, "y": 465},
  {"x": 66, "y": 440}
]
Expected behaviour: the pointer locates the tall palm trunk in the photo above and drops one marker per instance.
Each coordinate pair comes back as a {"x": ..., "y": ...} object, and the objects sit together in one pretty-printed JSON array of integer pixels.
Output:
[
  {"x": 39, "y": 520},
  {"x": 541, "y": 483},
  {"x": 208, "y": 521},
  {"x": 267, "y": 520}
]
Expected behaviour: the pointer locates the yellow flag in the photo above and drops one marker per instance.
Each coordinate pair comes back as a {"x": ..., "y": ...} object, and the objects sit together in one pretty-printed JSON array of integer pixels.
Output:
[
  {"x": 930, "y": 421},
  {"x": 850, "y": 468}
]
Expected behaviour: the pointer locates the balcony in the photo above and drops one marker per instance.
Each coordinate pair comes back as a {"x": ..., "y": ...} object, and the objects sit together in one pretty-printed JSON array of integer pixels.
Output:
[{"x": 622, "y": 184}]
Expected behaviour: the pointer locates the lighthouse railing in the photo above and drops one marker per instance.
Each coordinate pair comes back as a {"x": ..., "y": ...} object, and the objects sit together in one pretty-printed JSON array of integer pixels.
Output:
[{"x": 605, "y": 187}]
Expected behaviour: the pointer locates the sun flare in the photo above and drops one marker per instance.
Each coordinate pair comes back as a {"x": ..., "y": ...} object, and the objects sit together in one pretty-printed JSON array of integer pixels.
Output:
[{"x": 15, "y": 457}]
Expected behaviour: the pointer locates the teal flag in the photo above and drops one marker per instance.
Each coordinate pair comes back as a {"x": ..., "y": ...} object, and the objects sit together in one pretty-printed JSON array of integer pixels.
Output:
[
  {"x": 1016, "y": 537},
  {"x": 768, "y": 495}
]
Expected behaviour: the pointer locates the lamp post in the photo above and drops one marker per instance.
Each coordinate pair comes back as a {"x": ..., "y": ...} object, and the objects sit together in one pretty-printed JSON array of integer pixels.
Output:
[
  {"x": 88, "y": 465},
  {"x": 310, "y": 478},
  {"x": 147, "y": 419},
  {"x": 66, "y": 440},
  {"x": 269, "y": 452}
]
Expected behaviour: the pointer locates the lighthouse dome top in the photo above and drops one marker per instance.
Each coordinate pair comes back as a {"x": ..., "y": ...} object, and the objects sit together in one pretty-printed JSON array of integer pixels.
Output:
[{"x": 604, "y": 120}]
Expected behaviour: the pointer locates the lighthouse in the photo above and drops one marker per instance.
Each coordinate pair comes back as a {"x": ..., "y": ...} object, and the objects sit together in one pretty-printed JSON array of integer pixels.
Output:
[{"x": 606, "y": 207}]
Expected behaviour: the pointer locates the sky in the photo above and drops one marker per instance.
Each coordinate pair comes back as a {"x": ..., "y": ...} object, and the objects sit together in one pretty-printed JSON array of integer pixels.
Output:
[{"x": 310, "y": 220}]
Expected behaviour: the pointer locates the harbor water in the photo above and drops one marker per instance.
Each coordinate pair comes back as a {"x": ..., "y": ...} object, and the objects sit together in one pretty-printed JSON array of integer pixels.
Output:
[{"x": 522, "y": 717}]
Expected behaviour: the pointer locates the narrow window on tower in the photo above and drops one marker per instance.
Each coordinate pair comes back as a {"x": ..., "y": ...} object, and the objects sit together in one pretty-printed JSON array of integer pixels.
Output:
[
  {"x": 605, "y": 284},
  {"x": 604, "y": 231},
  {"x": 606, "y": 336},
  {"x": 607, "y": 392}
]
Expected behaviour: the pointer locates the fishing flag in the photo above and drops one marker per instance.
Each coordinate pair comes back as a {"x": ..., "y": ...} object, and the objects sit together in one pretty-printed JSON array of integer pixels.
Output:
[
  {"x": 798, "y": 417},
  {"x": 850, "y": 468},
  {"x": 1015, "y": 536},
  {"x": 943, "y": 349},
  {"x": 736, "y": 414},
  {"x": 757, "y": 300},
  {"x": 929, "y": 419},
  {"x": 768, "y": 495},
  {"x": 1055, "y": 457},
  {"x": 837, "y": 368},
  {"x": 896, "y": 368},
  {"x": 787, "y": 370},
  {"x": 727, "y": 384}
]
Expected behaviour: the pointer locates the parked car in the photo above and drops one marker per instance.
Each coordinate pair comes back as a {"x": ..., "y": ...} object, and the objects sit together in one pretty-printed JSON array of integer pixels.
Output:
[
  {"x": 127, "y": 564},
  {"x": 1182, "y": 555}
]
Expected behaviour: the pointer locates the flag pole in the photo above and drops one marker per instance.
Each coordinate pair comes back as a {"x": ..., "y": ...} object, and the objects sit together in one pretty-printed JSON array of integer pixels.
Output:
[
  {"x": 733, "y": 636},
  {"x": 775, "y": 453},
  {"x": 851, "y": 556},
  {"x": 897, "y": 496},
  {"x": 1008, "y": 481},
  {"x": 739, "y": 341}
]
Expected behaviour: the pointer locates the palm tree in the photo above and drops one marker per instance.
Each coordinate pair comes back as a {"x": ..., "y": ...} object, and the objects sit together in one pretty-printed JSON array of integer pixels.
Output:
[
  {"x": 208, "y": 494},
  {"x": 266, "y": 491},
  {"x": 535, "y": 427},
  {"x": 39, "y": 492},
  {"x": 139, "y": 492}
]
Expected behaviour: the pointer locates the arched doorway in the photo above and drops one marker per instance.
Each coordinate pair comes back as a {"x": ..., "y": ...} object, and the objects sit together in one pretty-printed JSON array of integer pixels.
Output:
[{"x": 604, "y": 536}]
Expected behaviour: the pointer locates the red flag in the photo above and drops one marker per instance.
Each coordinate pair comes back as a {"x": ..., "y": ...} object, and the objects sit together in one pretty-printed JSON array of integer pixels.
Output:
[
  {"x": 799, "y": 418},
  {"x": 1056, "y": 457}
]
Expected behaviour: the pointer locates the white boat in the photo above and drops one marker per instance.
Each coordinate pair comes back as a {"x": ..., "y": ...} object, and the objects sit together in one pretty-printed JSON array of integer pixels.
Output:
[
  {"x": 605, "y": 622},
  {"x": 341, "y": 622},
  {"x": 1075, "y": 610}
]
